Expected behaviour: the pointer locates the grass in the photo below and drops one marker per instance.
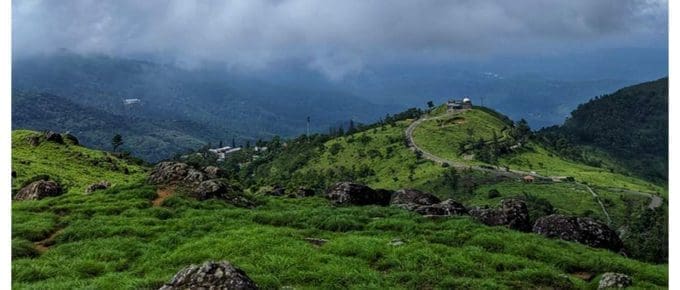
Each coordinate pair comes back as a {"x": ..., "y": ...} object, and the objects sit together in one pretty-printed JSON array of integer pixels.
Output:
[
  {"x": 441, "y": 137},
  {"x": 116, "y": 239},
  {"x": 74, "y": 166}
]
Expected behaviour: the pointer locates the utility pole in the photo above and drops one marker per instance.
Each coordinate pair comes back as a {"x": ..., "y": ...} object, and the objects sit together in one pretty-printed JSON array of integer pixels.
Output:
[{"x": 308, "y": 120}]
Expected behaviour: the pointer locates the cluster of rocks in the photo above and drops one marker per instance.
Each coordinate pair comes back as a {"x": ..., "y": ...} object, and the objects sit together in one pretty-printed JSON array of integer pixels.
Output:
[
  {"x": 39, "y": 190},
  {"x": 511, "y": 213},
  {"x": 207, "y": 183},
  {"x": 614, "y": 280},
  {"x": 51, "y": 136},
  {"x": 211, "y": 275},
  {"x": 577, "y": 229}
]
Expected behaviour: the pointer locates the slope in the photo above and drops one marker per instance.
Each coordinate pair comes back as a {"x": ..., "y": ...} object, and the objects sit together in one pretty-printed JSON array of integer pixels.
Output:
[
  {"x": 116, "y": 239},
  {"x": 634, "y": 131}
]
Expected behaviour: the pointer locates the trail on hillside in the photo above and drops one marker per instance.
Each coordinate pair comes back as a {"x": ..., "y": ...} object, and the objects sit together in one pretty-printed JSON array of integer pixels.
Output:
[
  {"x": 597, "y": 198},
  {"x": 45, "y": 244},
  {"x": 162, "y": 194}
]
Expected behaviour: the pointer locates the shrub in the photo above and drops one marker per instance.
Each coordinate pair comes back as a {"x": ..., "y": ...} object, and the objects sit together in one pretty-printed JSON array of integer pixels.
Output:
[{"x": 493, "y": 193}]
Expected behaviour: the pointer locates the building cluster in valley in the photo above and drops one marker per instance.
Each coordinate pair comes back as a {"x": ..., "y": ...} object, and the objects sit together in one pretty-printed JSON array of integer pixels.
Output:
[{"x": 222, "y": 152}]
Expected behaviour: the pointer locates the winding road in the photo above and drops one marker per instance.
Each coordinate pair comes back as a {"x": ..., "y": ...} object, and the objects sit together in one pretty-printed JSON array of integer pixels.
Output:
[{"x": 655, "y": 202}]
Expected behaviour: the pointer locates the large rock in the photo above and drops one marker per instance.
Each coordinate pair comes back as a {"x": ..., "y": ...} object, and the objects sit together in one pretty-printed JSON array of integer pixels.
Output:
[
  {"x": 39, "y": 190},
  {"x": 347, "y": 193},
  {"x": 175, "y": 173},
  {"x": 411, "y": 198},
  {"x": 445, "y": 208},
  {"x": 512, "y": 213},
  {"x": 211, "y": 275},
  {"x": 214, "y": 172},
  {"x": 97, "y": 186},
  {"x": 583, "y": 230},
  {"x": 54, "y": 137},
  {"x": 220, "y": 189},
  {"x": 614, "y": 280}
]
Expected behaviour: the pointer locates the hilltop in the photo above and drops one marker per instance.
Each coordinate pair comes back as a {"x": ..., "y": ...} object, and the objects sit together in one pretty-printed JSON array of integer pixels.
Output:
[{"x": 121, "y": 238}]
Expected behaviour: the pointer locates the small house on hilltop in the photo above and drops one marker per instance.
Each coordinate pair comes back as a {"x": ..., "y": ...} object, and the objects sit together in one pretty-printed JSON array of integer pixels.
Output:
[
  {"x": 463, "y": 104},
  {"x": 528, "y": 179}
]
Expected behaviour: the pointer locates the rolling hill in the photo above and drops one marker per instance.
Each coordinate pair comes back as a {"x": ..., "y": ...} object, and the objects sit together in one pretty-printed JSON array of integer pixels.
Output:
[{"x": 118, "y": 238}]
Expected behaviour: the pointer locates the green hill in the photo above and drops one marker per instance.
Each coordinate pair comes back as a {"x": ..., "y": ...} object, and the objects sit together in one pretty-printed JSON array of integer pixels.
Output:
[
  {"x": 633, "y": 131},
  {"x": 116, "y": 238}
]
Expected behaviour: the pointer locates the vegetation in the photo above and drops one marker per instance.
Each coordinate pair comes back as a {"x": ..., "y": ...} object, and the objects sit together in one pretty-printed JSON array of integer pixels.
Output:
[
  {"x": 634, "y": 131},
  {"x": 116, "y": 238}
]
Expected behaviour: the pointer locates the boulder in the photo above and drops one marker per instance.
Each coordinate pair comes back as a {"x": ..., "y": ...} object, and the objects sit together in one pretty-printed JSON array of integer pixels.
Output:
[
  {"x": 411, "y": 198},
  {"x": 211, "y": 275},
  {"x": 615, "y": 280},
  {"x": 444, "y": 208},
  {"x": 576, "y": 229},
  {"x": 220, "y": 189},
  {"x": 71, "y": 138},
  {"x": 55, "y": 137},
  {"x": 347, "y": 193},
  {"x": 97, "y": 186},
  {"x": 214, "y": 172},
  {"x": 512, "y": 213},
  {"x": 33, "y": 140},
  {"x": 39, "y": 190},
  {"x": 175, "y": 172}
]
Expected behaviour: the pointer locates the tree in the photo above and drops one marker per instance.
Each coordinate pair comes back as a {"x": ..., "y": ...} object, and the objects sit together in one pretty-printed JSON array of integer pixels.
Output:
[
  {"x": 116, "y": 142},
  {"x": 430, "y": 104}
]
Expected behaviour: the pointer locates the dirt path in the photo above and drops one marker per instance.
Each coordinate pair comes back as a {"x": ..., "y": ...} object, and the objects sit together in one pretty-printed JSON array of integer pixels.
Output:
[
  {"x": 597, "y": 198},
  {"x": 162, "y": 194},
  {"x": 45, "y": 244}
]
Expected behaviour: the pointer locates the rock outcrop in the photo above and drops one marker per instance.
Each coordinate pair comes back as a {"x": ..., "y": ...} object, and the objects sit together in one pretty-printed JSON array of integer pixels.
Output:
[
  {"x": 614, "y": 280},
  {"x": 512, "y": 213},
  {"x": 97, "y": 186},
  {"x": 347, "y": 193},
  {"x": 411, "y": 198},
  {"x": 220, "y": 189},
  {"x": 445, "y": 208},
  {"x": 175, "y": 173},
  {"x": 39, "y": 190},
  {"x": 211, "y": 275},
  {"x": 576, "y": 229},
  {"x": 214, "y": 172},
  {"x": 54, "y": 137}
]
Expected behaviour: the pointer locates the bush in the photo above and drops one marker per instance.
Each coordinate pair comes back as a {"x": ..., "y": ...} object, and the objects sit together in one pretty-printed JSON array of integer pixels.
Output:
[{"x": 493, "y": 193}]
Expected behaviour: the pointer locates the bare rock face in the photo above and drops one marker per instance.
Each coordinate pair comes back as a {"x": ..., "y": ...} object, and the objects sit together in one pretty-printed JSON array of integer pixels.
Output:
[
  {"x": 39, "y": 190},
  {"x": 512, "y": 213},
  {"x": 615, "y": 280},
  {"x": 445, "y": 208},
  {"x": 213, "y": 172},
  {"x": 174, "y": 173},
  {"x": 54, "y": 137},
  {"x": 576, "y": 229},
  {"x": 347, "y": 193},
  {"x": 211, "y": 275},
  {"x": 220, "y": 189},
  {"x": 411, "y": 198},
  {"x": 97, "y": 186}
]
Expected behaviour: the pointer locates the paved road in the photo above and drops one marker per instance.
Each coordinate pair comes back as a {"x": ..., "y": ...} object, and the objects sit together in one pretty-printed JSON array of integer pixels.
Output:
[
  {"x": 655, "y": 202},
  {"x": 427, "y": 155}
]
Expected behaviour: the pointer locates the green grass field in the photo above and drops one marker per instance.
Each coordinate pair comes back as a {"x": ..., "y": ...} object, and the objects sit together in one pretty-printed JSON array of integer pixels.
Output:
[{"x": 116, "y": 239}]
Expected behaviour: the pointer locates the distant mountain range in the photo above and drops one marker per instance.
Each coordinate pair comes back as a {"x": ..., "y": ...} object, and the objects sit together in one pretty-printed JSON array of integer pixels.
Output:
[{"x": 182, "y": 109}]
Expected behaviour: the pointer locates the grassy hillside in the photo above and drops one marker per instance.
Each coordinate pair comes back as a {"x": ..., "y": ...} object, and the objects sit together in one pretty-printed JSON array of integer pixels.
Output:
[
  {"x": 74, "y": 166},
  {"x": 116, "y": 238},
  {"x": 441, "y": 134},
  {"x": 634, "y": 130}
]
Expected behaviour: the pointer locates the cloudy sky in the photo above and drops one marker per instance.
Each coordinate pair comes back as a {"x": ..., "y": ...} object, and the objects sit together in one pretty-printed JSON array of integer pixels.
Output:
[{"x": 333, "y": 37}]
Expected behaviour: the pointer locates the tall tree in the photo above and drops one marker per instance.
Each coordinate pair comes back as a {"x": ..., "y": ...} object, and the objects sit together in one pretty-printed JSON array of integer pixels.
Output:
[{"x": 116, "y": 142}]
